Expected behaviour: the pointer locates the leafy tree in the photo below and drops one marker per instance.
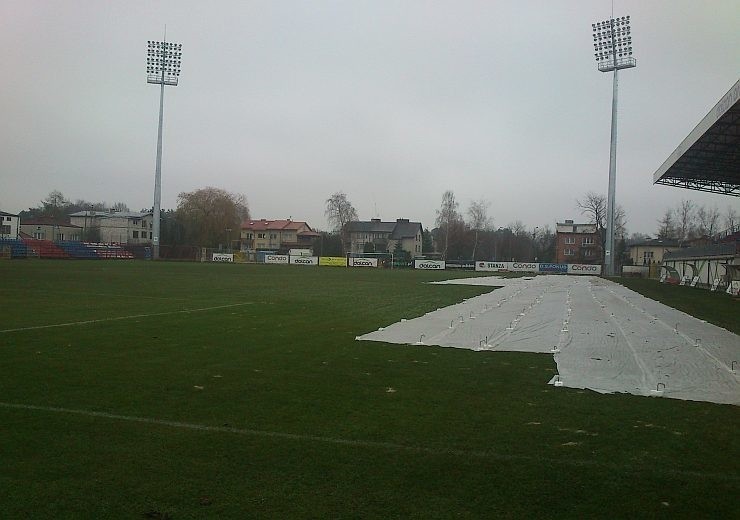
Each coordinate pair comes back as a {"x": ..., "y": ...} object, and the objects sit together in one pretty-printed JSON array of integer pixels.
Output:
[
  {"x": 400, "y": 255},
  {"x": 340, "y": 212},
  {"x": 206, "y": 215},
  {"x": 327, "y": 244},
  {"x": 427, "y": 244}
]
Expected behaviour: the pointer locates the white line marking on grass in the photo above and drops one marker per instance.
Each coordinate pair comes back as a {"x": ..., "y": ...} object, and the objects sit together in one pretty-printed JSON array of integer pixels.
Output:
[
  {"x": 118, "y": 318},
  {"x": 357, "y": 443}
]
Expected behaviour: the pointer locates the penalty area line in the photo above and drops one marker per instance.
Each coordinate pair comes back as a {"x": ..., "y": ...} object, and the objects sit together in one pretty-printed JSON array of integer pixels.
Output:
[
  {"x": 358, "y": 443},
  {"x": 119, "y": 318}
]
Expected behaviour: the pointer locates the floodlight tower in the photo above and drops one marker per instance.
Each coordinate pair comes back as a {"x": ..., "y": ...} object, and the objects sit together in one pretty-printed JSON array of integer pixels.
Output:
[
  {"x": 613, "y": 52},
  {"x": 162, "y": 68}
]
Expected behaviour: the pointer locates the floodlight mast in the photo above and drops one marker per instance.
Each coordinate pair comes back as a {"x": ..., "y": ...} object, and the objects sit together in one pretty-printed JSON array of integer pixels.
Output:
[
  {"x": 163, "y": 68},
  {"x": 613, "y": 51}
]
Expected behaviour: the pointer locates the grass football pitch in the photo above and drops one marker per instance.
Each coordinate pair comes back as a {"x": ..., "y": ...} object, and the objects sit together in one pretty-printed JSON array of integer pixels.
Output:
[{"x": 168, "y": 390}]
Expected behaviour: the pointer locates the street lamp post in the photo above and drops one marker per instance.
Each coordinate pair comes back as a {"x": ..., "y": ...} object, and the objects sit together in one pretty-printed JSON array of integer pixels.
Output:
[
  {"x": 162, "y": 68},
  {"x": 613, "y": 52}
]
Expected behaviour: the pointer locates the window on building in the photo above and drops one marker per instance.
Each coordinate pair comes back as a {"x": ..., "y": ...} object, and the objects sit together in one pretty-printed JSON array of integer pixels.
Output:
[
  {"x": 260, "y": 235},
  {"x": 249, "y": 236},
  {"x": 588, "y": 252},
  {"x": 38, "y": 235},
  {"x": 143, "y": 224},
  {"x": 150, "y": 236},
  {"x": 5, "y": 230},
  {"x": 570, "y": 240},
  {"x": 8, "y": 219},
  {"x": 273, "y": 236},
  {"x": 136, "y": 234},
  {"x": 568, "y": 251},
  {"x": 588, "y": 241}
]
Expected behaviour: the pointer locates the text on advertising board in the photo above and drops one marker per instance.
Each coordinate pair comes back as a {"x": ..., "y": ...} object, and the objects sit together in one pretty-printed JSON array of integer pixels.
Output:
[
  {"x": 429, "y": 264},
  {"x": 223, "y": 257}
]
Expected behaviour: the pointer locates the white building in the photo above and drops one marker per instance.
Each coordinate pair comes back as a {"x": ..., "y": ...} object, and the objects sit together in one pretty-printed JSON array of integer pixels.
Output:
[
  {"x": 121, "y": 227},
  {"x": 9, "y": 224}
]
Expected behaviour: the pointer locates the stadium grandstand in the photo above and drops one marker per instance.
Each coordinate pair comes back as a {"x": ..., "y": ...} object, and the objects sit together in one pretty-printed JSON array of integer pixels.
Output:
[{"x": 708, "y": 159}]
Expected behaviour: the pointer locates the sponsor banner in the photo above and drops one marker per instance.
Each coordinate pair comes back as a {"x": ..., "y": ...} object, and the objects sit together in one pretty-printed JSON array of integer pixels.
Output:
[
  {"x": 733, "y": 288},
  {"x": 222, "y": 257},
  {"x": 363, "y": 262},
  {"x": 553, "y": 268},
  {"x": 684, "y": 280},
  {"x": 715, "y": 284},
  {"x": 491, "y": 266},
  {"x": 299, "y": 252},
  {"x": 453, "y": 264},
  {"x": 338, "y": 261},
  {"x": 584, "y": 269},
  {"x": 304, "y": 260},
  {"x": 429, "y": 264},
  {"x": 523, "y": 267},
  {"x": 694, "y": 281},
  {"x": 276, "y": 259}
]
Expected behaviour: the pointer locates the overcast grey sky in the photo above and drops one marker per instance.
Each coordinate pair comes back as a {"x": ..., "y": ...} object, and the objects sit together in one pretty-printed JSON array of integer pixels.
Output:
[{"x": 392, "y": 102}]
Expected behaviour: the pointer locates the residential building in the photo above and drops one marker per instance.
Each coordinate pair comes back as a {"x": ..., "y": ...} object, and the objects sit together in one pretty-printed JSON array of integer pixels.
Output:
[
  {"x": 651, "y": 251},
  {"x": 380, "y": 237},
  {"x": 577, "y": 243},
  {"x": 122, "y": 227},
  {"x": 9, "y": 225},
  {"x": 276, "y": 235},
  {"x": 50, "y": 228}
]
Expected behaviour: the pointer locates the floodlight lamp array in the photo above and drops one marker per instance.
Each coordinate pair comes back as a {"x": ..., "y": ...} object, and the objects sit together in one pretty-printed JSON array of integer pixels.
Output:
[
  {"x": 612, "y": 39},
  {"x": 163, "y": 58}
]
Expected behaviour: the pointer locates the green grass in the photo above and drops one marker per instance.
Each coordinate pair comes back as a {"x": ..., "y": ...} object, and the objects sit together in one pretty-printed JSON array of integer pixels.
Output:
[
  {"x": 715, "y": 307},
  {"x": 465, "y": 434}
]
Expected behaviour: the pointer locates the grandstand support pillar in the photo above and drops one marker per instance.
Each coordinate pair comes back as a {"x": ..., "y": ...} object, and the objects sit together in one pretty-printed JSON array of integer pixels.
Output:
[{"x": 609, "y": 256}]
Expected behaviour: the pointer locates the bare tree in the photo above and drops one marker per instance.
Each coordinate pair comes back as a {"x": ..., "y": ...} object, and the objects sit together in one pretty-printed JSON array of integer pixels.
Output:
[
  {"x": 119, "y": 206},
  {"x": 447, "y": 215},
  {"x": 340, "y": 212},
  {"x": 707, "y": 220},
  {"x": 731, "y": 219},
  {"x": 478, "y": 220},
  {"x": 210, "y": 215},
  {"x": 594, "y": 206},
  {"x": 667, "y": 227},
  {"x": 685, "y": 220}
]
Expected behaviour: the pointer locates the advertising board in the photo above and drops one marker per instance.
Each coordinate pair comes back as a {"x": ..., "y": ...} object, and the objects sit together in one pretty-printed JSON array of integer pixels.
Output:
[
  {"x": 553, "y": 268},
  {"x": 304, "y": 260},
  {"x": 222, "y": 257},
  {"x": 523, "y": 267},
  {"x": 584, "y": 269},
  {"x": 491, "y": 266},
  {"x": 299, "y": 252},
  {"x": 276, "y": 259},
  {"x": 429, "y": 264},
  {"x": 363, "y": 262},
  {"x": 337, "y": 261}
]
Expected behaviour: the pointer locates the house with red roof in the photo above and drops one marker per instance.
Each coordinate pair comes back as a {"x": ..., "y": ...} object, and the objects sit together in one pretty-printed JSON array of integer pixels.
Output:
[{"x": 276, "y": 235}]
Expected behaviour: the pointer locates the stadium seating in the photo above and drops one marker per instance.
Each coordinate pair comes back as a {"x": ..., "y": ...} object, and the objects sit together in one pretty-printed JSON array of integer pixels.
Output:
[{"x": 18, "y": 248}]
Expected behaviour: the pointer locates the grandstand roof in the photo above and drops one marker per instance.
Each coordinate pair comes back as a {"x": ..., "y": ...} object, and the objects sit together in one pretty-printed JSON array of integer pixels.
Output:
[{"x": 708, "y": 159}]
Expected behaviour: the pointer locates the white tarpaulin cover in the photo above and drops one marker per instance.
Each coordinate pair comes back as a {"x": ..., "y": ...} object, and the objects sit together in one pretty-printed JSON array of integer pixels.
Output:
[{"x": 603, "y": 336}]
